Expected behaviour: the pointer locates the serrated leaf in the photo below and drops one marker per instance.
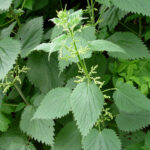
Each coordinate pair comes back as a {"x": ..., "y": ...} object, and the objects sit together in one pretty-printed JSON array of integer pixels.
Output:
[
  {"x": 5, "y": 4},
  {"x": 55, "y": 104},
  {"x": 87, "y": 102},
  {"x": 136, "y": 6},
  {"x": 14, "y": 140},
  {"x": 104, "y": 2},
  {"x": 44, "y": 74},
  {"x": 9, "y": 50},
  {"x": 4, "y": 122},
  {"x": 105, "y": 140},
  {"x": 103, "y": 45},
  {"x": 111, "y": 17},
  {"x": 131, "y": 138},
  {"x": 131, "y": 44},
  {"x": 68, "y": 138},
  {"x": 30, "y": 35},
  {"x": 46, "y": 47},
  {"x": 133, "y": 121},
  {"x": 41, "y": 130},
  {"x": 7, "y": 31},
  {"x": 129, "y": 99}
]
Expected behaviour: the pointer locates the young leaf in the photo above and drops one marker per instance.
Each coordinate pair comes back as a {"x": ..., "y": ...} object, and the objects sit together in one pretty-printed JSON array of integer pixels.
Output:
[
  {"x": 30, "y": 35},
  {"x": 55, "y": 104},
  {"x": 136, "y": 6},
  {"x": 44, "y": 74},
  {"x": 41, "y": 130},
  {"x": 5, "y": 4},
  {"x": 133, "y": 121},
  {"x": 105, "y": 140},
  {"x": 68, "y": 138},
  {"x": 87, "y": 103},
  {"x": 129, "y": 99},
  {"x": 9, "y": 50}
]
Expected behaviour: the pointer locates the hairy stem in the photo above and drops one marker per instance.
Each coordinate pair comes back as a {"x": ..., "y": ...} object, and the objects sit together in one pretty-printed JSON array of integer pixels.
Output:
[
  {"x": 112, "y": 89},
  {"x": 83, "y": 65},
  {"x": 21, "y": 94},
  {"x": 92, "y": 12}
]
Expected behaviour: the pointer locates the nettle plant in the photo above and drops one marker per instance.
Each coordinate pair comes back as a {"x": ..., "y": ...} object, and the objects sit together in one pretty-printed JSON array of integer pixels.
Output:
[{"x": 69, "y": 107}]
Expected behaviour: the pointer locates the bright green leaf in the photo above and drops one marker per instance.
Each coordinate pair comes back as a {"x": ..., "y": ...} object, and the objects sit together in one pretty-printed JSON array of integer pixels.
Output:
[
  {"x": 105, "y": 140},
  {"x": 129, "y": 99},
  {"x": 9, "y": 50},
  {"x": 5, "y": 4},
  {"x": 87, "y": 102},
  {"x": 30, "y": 35},
  {"x": 41, "y": 130},
  {"x": 55, "y": 104}
]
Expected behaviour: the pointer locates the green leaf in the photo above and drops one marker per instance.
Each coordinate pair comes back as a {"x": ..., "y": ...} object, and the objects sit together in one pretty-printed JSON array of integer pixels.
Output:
[
  {"x": 68, "y": 138},
  {"x": 55, "y": 32},
  {"x": 111, "y": 17},
  {"x": 7, "y": 31},
  {"x": 87, "y": 102},
  {"x": 14, "y": 140},
  {"x": 129, "y": 99},
  {"x": 103, "y": 45},
  {"x": 131, "y": 138},
  {"x": 4, "y": 122},
  {"x": 136, "y": 6},
  {"x": 5, "y": 4},
  {"x": 46, "y": 47},
  {"x": 105, "y": 140},
  {"x": 9, "y": 50},
  {"x": 55, "y": 104},
  {"x": 147, "y": 140},
  {"x": 104, "y": 2},
  {"x": 41, "y": 130},
  {"x": 133, "y": 121},
  {"x": 30, "y": 35},
  {"x": 28, "y": 4},
  {"x": 44, "y": 74},
  {"x": 131, "y": 44}
]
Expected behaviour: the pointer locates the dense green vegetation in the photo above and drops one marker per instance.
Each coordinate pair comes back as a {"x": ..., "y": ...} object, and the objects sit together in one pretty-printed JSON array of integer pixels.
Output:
[{"x": 74, "y": 75}]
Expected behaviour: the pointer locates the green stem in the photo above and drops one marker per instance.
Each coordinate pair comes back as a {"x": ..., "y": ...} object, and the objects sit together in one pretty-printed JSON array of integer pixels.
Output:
[
  {"x": 21, "y": 94},
  {"x": 140, "y": 27},
  {"x": 7, "y": 23},
  {"x": 79, "y": 58},
  {"x": 89, "y": 8},
  {"x": 18, "y": 21},
  {"x": 23, "y": 4},
  {"x": 112, "y": 89},
  {"x": 128, "y": 28},
  {"x": 12, "y": 105},
  {"x": 92, "y": 12}
]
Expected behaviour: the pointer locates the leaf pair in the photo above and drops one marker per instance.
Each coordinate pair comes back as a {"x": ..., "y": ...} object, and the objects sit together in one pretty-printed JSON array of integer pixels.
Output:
[{"x": 86, "y": 102}]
